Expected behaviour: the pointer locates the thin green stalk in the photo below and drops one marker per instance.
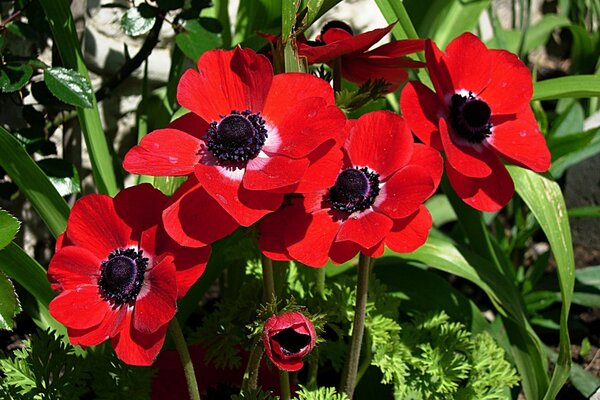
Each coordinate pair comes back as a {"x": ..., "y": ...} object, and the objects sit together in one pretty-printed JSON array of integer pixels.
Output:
[
  {"x": 366, "y": 362},
  {"x": 351, "y": 367},
  {"x": 186, "y": 361},
  {"x": 250, "y": 380},
  {"x": 284, "y": 383},
  {"x": 313, "y": 369}
]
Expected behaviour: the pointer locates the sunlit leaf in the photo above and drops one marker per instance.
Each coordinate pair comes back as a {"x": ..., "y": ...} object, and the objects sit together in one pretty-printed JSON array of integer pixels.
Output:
[
  {"x": 69, "y": 86},
  {"x": 9, "y": 226},
  {"x": 138, "y": 20},
  {"x": 62, "y": 174},
  {"x": 196, "y": 39},
  {"x": 567, "y": 86},
  {"x": 9, "y": 303}
]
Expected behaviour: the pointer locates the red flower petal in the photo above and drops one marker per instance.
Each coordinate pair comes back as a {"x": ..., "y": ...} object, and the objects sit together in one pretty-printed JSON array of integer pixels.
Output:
[
  {"x": 237, "y": 79},
  {"x": 381, "y": 141},
  {"x": 469, "y": 63},
  {"x": 429, "y": 159},
  {"x": 366, "y": 229},
  {"x": 245, "y": 206},
  {"x": 109, "y": 327},
  {"x": 80, "y": 308},
  {"x": 422, "y": 110},
  {"x": 194, "y": 218},
  {"x": 139, "y": 218},
  {"x": 271, "y": 234},
  {"x": 469, "y": 159},
  {"x": 74, "y": 266},
  {"x": 511, "y": 87},
  {"x": 191, "y": 124},
  {"x": 136, "y": 348},
  {"x": 164, "y": 152},
  {"x": 157, "y": 301},
  {"x": 325, "y": 165},
  {"x": 521, "y": 142},
  {"x": 361, "y": 69},
  {"x": 268, "y": 173},
  {"x": 95, "y": 225},
  {"x": 409, "y": 233},
  {"x": 341, "y": 252},
  {"x": 404, "y": 192},
  {"x": 190, "y": 264},
  {"x": 398, "y": 48},
  {"x": 310, "y": 240},
  {"x": 438, "y": 71},
  {"x": 485, "y": 194},
  {"x": 352, "y": 44}
]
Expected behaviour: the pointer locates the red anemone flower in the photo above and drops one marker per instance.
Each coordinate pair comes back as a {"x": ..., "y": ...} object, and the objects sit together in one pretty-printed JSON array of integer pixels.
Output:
[
  {"x": 250, "y": 136},
  {"x": 119, "y": 274},
  {"x": 359, "y": 64},
  {"x": 375, "y": 199},
  {"x": 288, "y": 338},
  {"x": 478, "y": 114}
]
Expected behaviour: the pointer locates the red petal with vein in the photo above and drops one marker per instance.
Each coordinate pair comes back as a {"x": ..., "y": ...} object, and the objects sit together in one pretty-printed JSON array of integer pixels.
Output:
[
  {"x": 271, "y": 236},
  {"x": 398, "y": 48},
  {"x": 164, "y": 152},
  {"x": 410, "y": 233},
  {"x": 80, "y": 308},
  {"x": 268, "y": 173},
  {"x": 485, "y": 194},
  {"x": 226, "y": 80},
  {"x": 109, "y": 327},
  {"x": 308, "y": 125},
  {"x": 190, "y": 264},
  {"x": 438, "y": 71},
  {"x": 469, "y": 63},
  {"x": 127, "y": 206},
  {"x": 469, "y": 159},
  {"x": 245, "y": 206},
  {"x": 310, "y": 240},
  {"x": 380, "y": 140},
  {"x": 341, "y": 252},
  {"x": 194, "y": 218},
  {"x": 136, "y": 348},
  {"x": 511, "y": 87},
  {"x": 191, "y": 124},
  {"x": 366, "y": 229},
  {"x": 404, "y": 192},
  {"x": 157, "y": 301},
  {"x": 325, "y": 165},
  {"x": 422, "y": 110},
  {"x": 362, "y": 69},
  {"x": 352, "y": 44},
  {"x": 95, "y": 225},
  {"x": 429, "y": 159},
  {"x": 521, "y": 142},
  {"x": 73, "y": 266}
]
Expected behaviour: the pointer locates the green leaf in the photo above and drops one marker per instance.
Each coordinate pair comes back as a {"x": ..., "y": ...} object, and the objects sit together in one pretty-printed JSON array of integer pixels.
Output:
[
  {"x": 567, "y": 86},
  {"x": 544, "y": 198},
  {"x": 589, "y": 276},
  {"x": 571, "y": 143},
  {"x": 568, "y": 122},
  {"x": 13, "y": 76},
  {"x": 586, "y": 382},
  {"x": 440, "y": 209},
  {"x": 62, "y": 174},
  {"x": 584, "y": 212},
  {"x": 33, "y": 183},
  {"x": 256, "y": 15},
  {"x": 592, "y": 147},
  {"x": 66, "y": 40},
  {"x": 138, "y": 20},
  {"x": 196, "y": 39},
  {"x": 9, "y": 303},
  {"x": 69, "y": 86},
  {"x": 9, "y": 226}
]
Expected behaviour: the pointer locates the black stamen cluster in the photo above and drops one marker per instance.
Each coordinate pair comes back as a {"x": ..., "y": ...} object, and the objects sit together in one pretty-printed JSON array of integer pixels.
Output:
[
  {"x": 238, "y": 137},
  {"x": 355, "y": 189},
  {"x": 122, "y": 275},
  {"x": 326, "y": 27},
  {"x": 291, "y": 342},
  {"x": 470, "y": 117}
]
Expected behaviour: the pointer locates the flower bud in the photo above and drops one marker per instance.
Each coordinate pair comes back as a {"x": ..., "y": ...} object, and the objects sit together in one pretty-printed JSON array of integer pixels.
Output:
[{"x": 288, "y": 338}]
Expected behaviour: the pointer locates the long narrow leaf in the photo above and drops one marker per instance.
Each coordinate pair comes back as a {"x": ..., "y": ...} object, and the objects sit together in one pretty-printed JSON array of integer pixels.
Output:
[
  {"x": 33, "y": 183},
  {"x": 65, "y": 38},
  {"x": 567, "y": 86},
  {"x": 545, "y": 200}
]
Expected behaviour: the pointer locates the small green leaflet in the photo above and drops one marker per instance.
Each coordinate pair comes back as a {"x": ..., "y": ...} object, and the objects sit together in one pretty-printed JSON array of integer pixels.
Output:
[
  {"x": 139, "y": 20},
  {"x": 9, "y": 226},
  {"x": 13, "y": 76},
  {"x": 69, "y": 86},
  {"x": 9, "y": 303}
]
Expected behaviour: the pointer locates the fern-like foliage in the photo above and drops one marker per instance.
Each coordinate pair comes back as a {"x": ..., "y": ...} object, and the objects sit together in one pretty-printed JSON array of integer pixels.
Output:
[
  {"x": 324, "y": 393},
  {"x": 255, "y": 394}
]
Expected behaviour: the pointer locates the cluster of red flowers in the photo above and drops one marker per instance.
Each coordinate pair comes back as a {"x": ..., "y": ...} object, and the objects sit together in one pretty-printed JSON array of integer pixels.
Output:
[{"x": 260, "y": 145}]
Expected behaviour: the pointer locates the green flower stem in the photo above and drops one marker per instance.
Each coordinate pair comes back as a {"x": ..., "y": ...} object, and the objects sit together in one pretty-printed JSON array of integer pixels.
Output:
[
  {"x": 366, "y": 362},
  {"x": 313, "y": 370},
  {"x": 337, "y": 75},
  {"x": 186, "y": 361},
  {"x": 284, "y": 383},
  {"x": 251, "y": 374},
  {"x": 320, "y": 281},
  {"x": 351, "y": 368}
]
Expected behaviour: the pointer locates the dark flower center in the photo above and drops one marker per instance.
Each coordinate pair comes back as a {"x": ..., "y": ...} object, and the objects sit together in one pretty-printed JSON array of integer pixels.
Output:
[
  {"x": 328, "y": 26},
  {"x": 291, "y": 342},
  {"x": 470, "y": 117},
  {"x": 238, "y": 137},
  {"x": 355, "y": 189},
  {"x": 122, "y": 275}
]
